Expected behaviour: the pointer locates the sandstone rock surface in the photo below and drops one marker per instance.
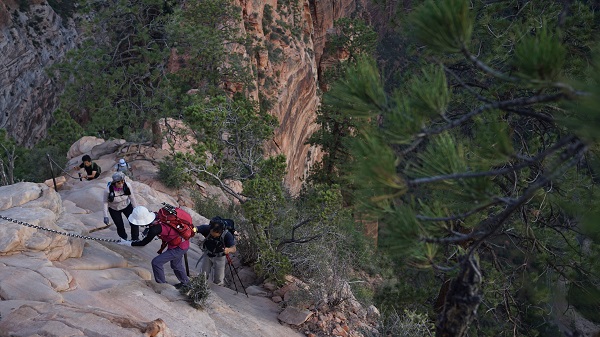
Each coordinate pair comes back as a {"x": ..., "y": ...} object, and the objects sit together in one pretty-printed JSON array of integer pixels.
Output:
[{"x": 58, "y": 285}]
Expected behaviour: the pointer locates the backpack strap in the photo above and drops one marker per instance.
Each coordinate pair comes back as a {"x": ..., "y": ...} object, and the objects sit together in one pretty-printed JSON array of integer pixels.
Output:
[{"x": 220, "y": 239}]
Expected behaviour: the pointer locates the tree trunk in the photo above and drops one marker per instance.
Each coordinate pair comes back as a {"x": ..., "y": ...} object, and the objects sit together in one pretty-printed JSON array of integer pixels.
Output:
[{"x": 462, "y": 300}]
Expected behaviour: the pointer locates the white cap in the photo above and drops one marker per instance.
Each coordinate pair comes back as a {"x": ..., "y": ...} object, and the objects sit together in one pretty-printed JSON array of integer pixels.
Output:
[
  {"x": 122, "y": 162},
  {"x": 141, "y": 216}
]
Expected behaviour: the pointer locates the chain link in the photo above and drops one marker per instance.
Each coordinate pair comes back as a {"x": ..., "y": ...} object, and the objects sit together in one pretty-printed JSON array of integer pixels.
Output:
[{"x": 73, "y": 235}]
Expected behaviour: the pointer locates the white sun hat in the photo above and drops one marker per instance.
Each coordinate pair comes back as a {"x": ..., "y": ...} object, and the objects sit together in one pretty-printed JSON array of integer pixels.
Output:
[
  {"x": 122, "y": 162},
  {"x": 141, "y": 216}
]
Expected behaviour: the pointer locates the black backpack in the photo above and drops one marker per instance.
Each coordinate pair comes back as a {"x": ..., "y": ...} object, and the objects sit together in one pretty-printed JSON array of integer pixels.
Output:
[
  {"x": 97, "y": 168},
  {"x": 229, "y": 225},
  {"x": 111, "y": 191}
]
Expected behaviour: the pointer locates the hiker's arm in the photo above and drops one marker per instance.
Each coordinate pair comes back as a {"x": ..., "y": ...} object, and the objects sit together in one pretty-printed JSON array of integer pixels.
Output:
[
  {"x": 203, "y": 229},
  {"x": 154, "y": 231},
  {"x": 229, "y": 243},
  {"x": 92, "y": 176},
  {"x": 105, "y": 197}
]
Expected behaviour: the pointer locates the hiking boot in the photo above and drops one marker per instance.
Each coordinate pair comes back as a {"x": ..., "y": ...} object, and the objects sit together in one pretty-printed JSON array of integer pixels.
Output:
[{"x": 180, "y": 285}]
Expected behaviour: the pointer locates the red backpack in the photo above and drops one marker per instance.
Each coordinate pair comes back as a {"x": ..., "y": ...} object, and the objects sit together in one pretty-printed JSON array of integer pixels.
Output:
[{"x": 179, "y": 220}]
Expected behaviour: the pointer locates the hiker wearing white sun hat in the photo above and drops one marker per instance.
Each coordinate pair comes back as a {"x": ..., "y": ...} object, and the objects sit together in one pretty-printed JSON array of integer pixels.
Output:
[{"x": 141, "y": 216}]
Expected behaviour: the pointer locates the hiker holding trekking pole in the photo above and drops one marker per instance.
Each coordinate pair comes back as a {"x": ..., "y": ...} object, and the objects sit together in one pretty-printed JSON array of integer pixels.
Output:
[{"x": 218, "y": 243}]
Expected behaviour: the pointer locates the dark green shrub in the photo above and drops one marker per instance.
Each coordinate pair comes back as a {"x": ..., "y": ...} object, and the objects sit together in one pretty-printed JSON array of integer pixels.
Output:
[{"x": 171, "y": 174}]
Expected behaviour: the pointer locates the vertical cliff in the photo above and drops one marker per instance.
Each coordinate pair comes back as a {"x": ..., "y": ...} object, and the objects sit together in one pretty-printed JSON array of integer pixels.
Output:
[
  {"x": 32, "y": 38},
  {"x": 287, "y": 53}
]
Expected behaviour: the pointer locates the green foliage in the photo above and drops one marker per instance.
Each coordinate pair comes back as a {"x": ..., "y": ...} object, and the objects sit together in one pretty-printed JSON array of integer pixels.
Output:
[
  {"x": 117, "y": 81},
  {"x": 63, "y": 132},
  {"x": 583, "y": 116},
  {"x": 196, "y": 292},
  {"x": 353, "y": 36},
  {"x": 585, "y": 298},
  {"x": 171, "y": 173},
  {"x": 202, "y": 32},
  {"x": 465, "y": 161},
  {"x": 122, "y": 77},
  {"x": 267, "y": 18},
  {"x": 24, "y": 5},
  {"x": 541, "y": 56},
  {"x": 231, "y": 133},
  {"x": 211, "y": 207},
  {"x": 429, "y": 92},
  {"x": 9, "y": 153},
  {"x": 273, "y": 265},
  {"x": 266, "y": 192},
  {"x": 360, "y": 93},
  {"x": 453, "y": 15}
]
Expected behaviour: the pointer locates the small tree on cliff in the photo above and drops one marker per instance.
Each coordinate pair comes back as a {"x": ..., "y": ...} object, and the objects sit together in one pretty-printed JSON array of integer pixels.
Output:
[
  {"x": 352, "y": 38},
  {"x": 230, "y": 154},
  {"x": 124, "y": 75},
  {"x": 478, "y": 168}
]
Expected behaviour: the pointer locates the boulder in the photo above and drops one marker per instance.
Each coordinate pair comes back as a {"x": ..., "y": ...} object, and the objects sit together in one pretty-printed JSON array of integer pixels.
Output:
[
  {"x": 294, "y": 316},
  {"x": 82, "y": 146}
]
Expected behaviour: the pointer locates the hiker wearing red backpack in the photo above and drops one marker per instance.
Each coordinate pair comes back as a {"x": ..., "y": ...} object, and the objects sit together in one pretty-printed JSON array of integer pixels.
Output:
[
  {"x": 218, "y": 243},
  {"x": 176, "y": 246}
]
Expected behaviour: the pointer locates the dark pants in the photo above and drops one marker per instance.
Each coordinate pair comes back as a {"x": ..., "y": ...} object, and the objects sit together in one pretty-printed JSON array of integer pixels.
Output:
[
  {"x": 175, "y": 256},
  {"x": 118, "y": 220}
]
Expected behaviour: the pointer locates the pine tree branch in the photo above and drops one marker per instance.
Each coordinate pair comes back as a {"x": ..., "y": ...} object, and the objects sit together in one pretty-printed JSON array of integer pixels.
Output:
[
  {"x": 522, "y": 101},
  {"x": 240, "y": 197},
  {"x": 488, "y": 227},
  {"x": 464, "y": 85},
  {"x": 496, "y": 221},
  {"x": 526, "y": 162},
  {"x": 459, "y": 216}
]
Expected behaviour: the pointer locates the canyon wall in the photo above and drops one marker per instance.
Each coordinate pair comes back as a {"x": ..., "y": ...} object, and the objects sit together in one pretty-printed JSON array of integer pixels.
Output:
[
  {"x": 289, "y": 40},
  {"x": 287, "y": 55},
  {"x": 32, "y": 38}
]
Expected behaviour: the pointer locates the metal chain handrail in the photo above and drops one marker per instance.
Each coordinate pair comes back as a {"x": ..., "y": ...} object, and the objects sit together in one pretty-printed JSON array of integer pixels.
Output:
[
  {"x": 60, "y": 167},
  {"x": 73, "y": 235}
]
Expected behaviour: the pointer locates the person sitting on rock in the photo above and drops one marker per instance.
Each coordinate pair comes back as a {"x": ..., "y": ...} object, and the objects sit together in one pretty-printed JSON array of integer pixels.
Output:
[
  {"x": 217, "y": 244},
  {"x": 92, "y": 169},
  {"x": 119, "y": 200},
  {"x": 174, "y": 253}
]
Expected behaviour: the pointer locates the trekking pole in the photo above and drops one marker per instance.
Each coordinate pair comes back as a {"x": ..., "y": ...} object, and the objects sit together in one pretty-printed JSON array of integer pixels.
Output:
[
  {"x": 232, "y": 277},
  {"x": 187, "y": 267},
  {"x": 232, "y": 267}
]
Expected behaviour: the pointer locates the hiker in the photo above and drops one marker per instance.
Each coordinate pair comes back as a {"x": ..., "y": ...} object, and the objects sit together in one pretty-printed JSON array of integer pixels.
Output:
[
  {"x": 123, "y": 166},
  {"x": 92, "y": 169},
  {"x": 174, "y": 253},
  {"x": 119, "y": 200},
  {"x": 218, "y": 242}
]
